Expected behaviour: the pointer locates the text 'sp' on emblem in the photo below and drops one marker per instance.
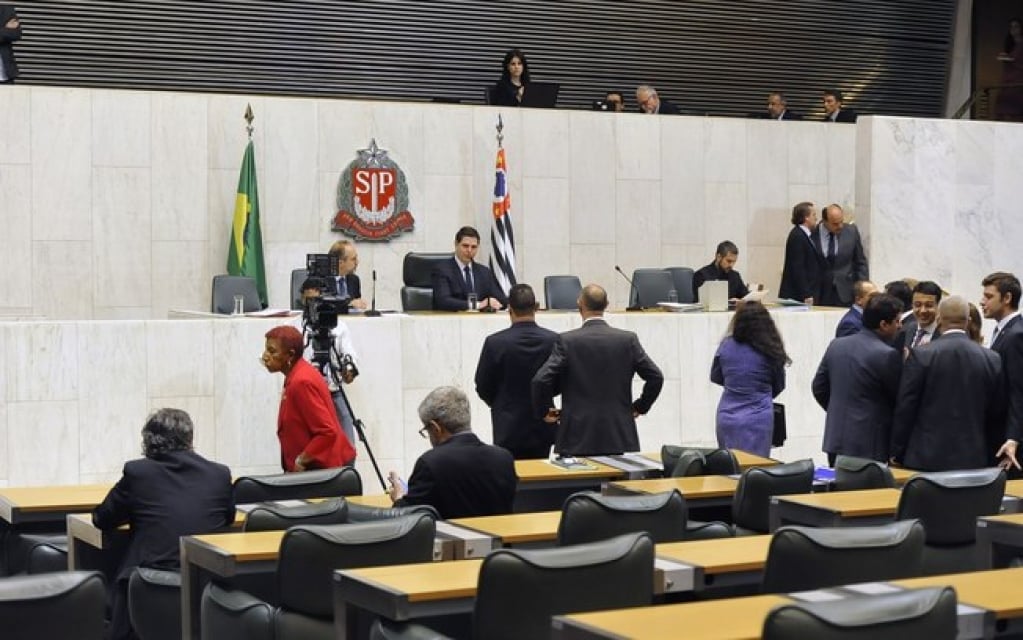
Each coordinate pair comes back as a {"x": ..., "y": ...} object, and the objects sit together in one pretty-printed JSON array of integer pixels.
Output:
[{"x": 372, "y": 197}]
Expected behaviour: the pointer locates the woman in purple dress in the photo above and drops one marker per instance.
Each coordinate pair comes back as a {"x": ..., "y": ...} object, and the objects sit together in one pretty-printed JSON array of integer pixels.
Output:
[{"x": 750, "y": 365}]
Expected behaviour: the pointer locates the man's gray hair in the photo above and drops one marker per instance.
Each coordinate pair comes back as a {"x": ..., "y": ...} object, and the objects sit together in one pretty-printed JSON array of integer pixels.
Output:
[
  {"x": 165, "y": 431},
  {"x": 449, "y": 407},
  {"x": 645, "y": 88}
]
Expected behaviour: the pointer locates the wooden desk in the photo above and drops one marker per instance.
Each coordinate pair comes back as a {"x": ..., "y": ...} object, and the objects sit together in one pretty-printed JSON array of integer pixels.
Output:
[
  {"x": 543, "y": 486},
  {"x": 715, "y": 563},
  {"x": 835, "y": 508},
  {"x": 1014, "y": 488},
  {"x": 699, "y": 491},
  {"x": 1002, "y": 536},
  {"x": 996, "y": 591},
  {"x": 901, "y": 476},
  {"x": 49, "y": 504},
  {"x": 476, "y": 537}
]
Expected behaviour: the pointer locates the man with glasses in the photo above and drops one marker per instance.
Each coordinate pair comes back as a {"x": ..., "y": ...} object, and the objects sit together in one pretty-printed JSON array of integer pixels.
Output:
[
  {"x": 650, "y": 102},
  {"x": 460, "y": 476}
]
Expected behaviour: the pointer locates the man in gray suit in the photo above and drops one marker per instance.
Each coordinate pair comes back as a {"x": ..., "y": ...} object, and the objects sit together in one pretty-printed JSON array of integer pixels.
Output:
[
  {"x": 949, "y": 396},
  {"x": 844, "y": 262},
  {"x": 592, "y": 368},
  {"x": 857, "y": 382}
]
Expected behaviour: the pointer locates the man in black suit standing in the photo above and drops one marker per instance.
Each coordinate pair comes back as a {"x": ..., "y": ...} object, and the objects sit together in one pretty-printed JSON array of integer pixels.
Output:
[
  {"x": 592, "y": 367},
  {"x": 778, "y": 108},
  {"x": 453, "y": 280},
  {"x": 347, "y": 284},
  {"x": 459, "y": 476},
  {"x": 651, "y": 103},
  {"x": 800, "y": 277},
  {"x": 949, "y": 396},
  {"x": 10, "y": 32},
  {"x": 857, "y": 383},
  {"x": 170, "y": 493},
  {"x": 844, "y": 261},
  {"x": 833, "y": 110},
  {"x": 1000, "y": 302},
  {"x": 508, "y": 361},
  {"x": 852, "y": 321}
]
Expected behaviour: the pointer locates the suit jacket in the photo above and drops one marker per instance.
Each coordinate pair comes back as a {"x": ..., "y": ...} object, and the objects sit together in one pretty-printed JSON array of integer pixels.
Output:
[
  {"x": 353, "y": 284},
  {"x": 736, "y": 287},
  {"x": 788, "y": 114},
  {"x": 857, "y": 383},
  {"x": 801, "y": 274},
  {"x": 508, "y": 362},
  {"x": 462, "y": 478},
  {"x": 948, "y": 396},
  {"x": 850, "y": 323},
  {"x": 7, "y": 38},
  {"x": 592, "y": 367},
  {"x": 307, "y": 422},
  {"x": 162, "y": 498},
  {"x": 904, "y": 337},
  {"x": 449, "y": 290},
  {"x": 844, "y": 115},
  {"x": 850, "y": 266},
  {"x": 1009, "y": 346}
]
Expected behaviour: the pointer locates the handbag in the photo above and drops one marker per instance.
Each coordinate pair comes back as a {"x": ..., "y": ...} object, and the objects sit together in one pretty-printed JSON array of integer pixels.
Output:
[{"x": 780, "y": 433}]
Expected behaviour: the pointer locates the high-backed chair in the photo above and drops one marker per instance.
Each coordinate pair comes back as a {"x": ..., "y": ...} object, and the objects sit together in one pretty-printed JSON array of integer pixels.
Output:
[
  {"x": 225, "y": 288},
  {"x": 805, "y": 558},
  {"x": 920, "y": 613},
  {"x": 588, "y": 516},
  {"x": 751, "y": 503},
  {"x": 948, "y": 504},
  {"x": 235, "y": 615},
  {"x": 690, "y": 463},
  {"x": 853, "y": 473},
  {"x": 561, "y": 292},
  {"x": 47, "y": 554},
  {"x": 154, "y": 603},
  {"x": 274, "y": 517},
  {"x": 650, "y": 286},
  {"x": 298, "y": 276},
  {"x": 364, "y": 513},
  {"x": 683, "y": 279},
  {"x": 69, "y": 604},
  {"x": 417, "y": 274},
  {"x": 321, "y": 483},
  {"x": 721, "y": 462}
]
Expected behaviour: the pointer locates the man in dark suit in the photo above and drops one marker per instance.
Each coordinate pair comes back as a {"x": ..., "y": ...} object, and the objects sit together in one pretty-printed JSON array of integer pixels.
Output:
[
  {"x": 857, "y": 383},
  {"x": 10, "y": 32},
  {"x": 844, "y": 261},
  {"x": 852, "y": 321},
  {"x": 651, "y": 103},
  {"x": 453, "y": 280},
  {"x": 170, "y": 493},
  {"x": 592, "y": 368},
  {"x": 949, "y": 395},
  {"x": 1000, "y": 302},
  {"x": 508, "y": 361},
  {"x": 800, "y": 276},
  {"x": 778, "y": 108},
  {"x": 924, "y": 326},
  {"x": 833, "y": 110},
  {"x": 903, "y": 291},
  {"x": 723, "y": 268},
  {"x": 347, "y": 284},
  {"x": 460, "y": 476}
]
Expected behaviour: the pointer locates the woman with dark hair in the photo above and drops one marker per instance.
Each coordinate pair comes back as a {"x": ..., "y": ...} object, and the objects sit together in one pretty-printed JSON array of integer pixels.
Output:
[
  {"x": 975, "y": 327},
  {"x": 307, "y": 425},
  {"x": 170, "y": 493},
  {"x": 514, "y": 78},
  {"x": 750, "y": 365},
  {"x": 1009, "y": 105}
]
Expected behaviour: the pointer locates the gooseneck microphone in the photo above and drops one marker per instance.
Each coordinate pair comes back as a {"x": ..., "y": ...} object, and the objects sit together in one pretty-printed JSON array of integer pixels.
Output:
[
  {"x": 372, "y": 311},
  {"x": 632, "y": 287}
]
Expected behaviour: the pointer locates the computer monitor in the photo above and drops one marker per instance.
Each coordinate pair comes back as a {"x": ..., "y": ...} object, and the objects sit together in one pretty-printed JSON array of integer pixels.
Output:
[{"x": 542, "y": 95}]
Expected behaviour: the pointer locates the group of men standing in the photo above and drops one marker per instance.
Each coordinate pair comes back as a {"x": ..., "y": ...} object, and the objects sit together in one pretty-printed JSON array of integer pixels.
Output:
[{"x": 822, "y": 261}]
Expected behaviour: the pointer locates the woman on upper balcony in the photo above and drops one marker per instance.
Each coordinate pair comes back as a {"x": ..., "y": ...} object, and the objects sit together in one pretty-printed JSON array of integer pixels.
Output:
[{"x": 514, "y": 79}]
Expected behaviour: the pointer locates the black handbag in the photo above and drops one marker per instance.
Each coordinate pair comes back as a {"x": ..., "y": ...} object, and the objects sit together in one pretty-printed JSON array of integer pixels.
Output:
[{"x": 780, "y": 433}]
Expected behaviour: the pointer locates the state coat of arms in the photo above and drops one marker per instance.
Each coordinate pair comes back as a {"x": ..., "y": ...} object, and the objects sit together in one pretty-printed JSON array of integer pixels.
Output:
[{"x": 372, "y": 197}]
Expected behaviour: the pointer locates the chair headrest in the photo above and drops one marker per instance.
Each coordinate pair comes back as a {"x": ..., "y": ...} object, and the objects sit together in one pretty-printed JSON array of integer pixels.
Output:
[
  {"x": 363, "y": 513},
  {"x": 863, "y": 611},
  {"x": 158, "y": 577},
  {"x": 361, "y": 532},
  {"x": 302, "y": 511},
  {"x": 959, "y": 479},
  {"x": 41, "y": 586},
  {"x": 637, "y": 503},
  {"x": 852, "y": 463},
  {"x": 600, "y": 552},
  {"x": 796, "y": 468},
  {"x": 294, "y": 479},
  {"x": 884, "y": 535}
]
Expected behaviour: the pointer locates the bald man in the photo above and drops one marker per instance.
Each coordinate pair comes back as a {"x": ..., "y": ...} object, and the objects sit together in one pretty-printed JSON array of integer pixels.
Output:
[{"x": 949, "y": 396}]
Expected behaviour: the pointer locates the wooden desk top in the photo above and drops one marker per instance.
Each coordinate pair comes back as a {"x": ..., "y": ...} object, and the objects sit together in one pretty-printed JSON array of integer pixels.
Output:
[
  {"x": 732, "y": 618},
  {"x": 379, "y": 500},
  {"x": 745, "y": 459},
  {"x": 995, "y": 590},
  {"x": 58, "y": 499},
  {"x": 902, "y": 475},
  {"x": 693, "y": 487},
  {"x": 541, "y": 470},
  {"x": 1005, "y": 518},
  {"x": 724, "y": 555},
  {"x": 242, "y": 547},
  {"x": 515, "y": 528},
  {"x": 1014, "y": 488},
  {"x": 423, "y": 582},
  {"x": 868, "y": 502}
]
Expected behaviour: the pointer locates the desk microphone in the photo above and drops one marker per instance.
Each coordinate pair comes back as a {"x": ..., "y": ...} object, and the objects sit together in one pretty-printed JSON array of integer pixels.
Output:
[
  {"x": 372, "y": 312},
  {"x": 632, "y": 287}
]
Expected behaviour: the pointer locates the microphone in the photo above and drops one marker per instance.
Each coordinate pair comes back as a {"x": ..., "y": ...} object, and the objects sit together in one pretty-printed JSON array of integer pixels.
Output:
[
  {"x": 632, "y": 287},
  {"x": 372, "y": 311}
]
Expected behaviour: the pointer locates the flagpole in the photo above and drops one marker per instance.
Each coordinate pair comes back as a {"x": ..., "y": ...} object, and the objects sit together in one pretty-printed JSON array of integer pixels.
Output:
[{"x": 248, "y": 120}]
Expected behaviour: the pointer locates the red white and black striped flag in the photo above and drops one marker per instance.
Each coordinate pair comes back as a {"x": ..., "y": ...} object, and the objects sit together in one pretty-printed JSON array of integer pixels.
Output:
[{"x": 502, "y": 238}]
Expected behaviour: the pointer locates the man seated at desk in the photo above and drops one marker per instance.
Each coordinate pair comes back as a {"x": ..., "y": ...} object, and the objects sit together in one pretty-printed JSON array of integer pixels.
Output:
[
  {"x": 722, "y": 269},
  {"x": 171, "y": 492},
  {"x": 455, "y": 280}
]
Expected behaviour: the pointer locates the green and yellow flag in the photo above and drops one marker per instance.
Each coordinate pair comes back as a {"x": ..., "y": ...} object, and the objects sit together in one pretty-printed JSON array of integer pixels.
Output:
[{"x": 245, "y": 255}]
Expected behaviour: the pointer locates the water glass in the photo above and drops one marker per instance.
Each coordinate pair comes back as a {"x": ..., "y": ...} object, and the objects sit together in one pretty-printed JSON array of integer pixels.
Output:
[
  {"x": 471, "y": 302},
  {"x": 672, "y": 295},
  {"x": 239, "y": 305}
]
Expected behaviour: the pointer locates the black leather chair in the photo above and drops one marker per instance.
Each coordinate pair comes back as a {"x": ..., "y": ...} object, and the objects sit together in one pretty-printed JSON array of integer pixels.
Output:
[
  {"x": 904, "y": 615},
  {"x": 805, "y": 558},
  {"x": 650, "y": 286},
  {"x": 690, "y": 463},
  {"x": 751, "y": 503},
  {"x": 948, "y": 504},
  {"x": 69, "y": 604},
  {"x": 363, "y": 513},
  {"x": 561, "y": 292},
  {"x": 225, "y": 288},
  {"x": 683, "y": 279},
  {"x": 853, "y": 473},
  {"x": 273, "y": 517},
  {"x": 235, "y": 615},
  {"x": 721, "y": 462},
  {"x": 298, "y": 276},
  {"x": 416, "y": 272},
  {"x": 154, "y": 603},
  {"x": 47, "y": 554},
  {"x": 588, "y": 517},
  {"x": 321, "y": 483}
]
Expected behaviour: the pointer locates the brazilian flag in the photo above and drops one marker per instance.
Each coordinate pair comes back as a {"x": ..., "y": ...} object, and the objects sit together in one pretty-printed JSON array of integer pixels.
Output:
[{"x": 245, "y": 255}]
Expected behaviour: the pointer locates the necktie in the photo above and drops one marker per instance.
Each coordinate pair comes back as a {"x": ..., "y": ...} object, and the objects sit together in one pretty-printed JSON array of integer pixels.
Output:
[
  {"x": 994, "y": 336},
  {"x": 468, "y": 279},
  {"x": 342, "y": 287},
  {"x": 831, "y": 248},
  {"x": 920, "y": 333}
]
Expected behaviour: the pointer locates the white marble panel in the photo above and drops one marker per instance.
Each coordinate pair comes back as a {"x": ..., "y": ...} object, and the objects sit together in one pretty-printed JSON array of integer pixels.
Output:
[
  {"x": 768, "y": 207},
  {"x": 288, "y": 194},
  {"x": 660, "y": 425},
  {"x": 638, "y": 224},
  {"x": 4, "y": 449},
  {"x": 981, "y": 234},
  {"x": 433, "y": 352},
  {"x": 375, "y": 394},
  {"x": 1008, "y": 168},
  {"x": 172, "y": 350},
  {"x": 841, "y": 163},
  {"x": 180, "y": 277},
  {"x": 974, "y": 160},
  {"x": 447, "y": 206},
  {"x": 342, "y": 128},
  {"x": 725, "y": 149},
  {"x": 807, "y": 152},
  {"x": 121, "y": 128},
  {"x": 42, "y": 361},
  {"x": 893, "y": 145},
  {"x": 658, "y": 334},
  {"x": 540, "y": 261},
  {"x": 447, "y": 141},
  {"x": 61, "y": 164},
  {"x": 109, "y": 431},
  {"x": 15, "y": 136},
  {"x": 63, "y": 266},
  {"x": 280, "y": 258},
  {"x": 726, "y": 215},
  {"x": 595, "y": 264},
  {"x": 121, "y": 313},
  {"x": 122, "y": 251},
  {"x": 226, "y": 130},
  {"x": 398, "y": 128},
  {"x": 543, "y": 218},
  {"x": 42, "y": 442},
  {"x": 223, "y": 186},
  {"x": 179, "y": 162},
  {"x": 110, "y": 361},
  {"x": 638, "y": 141},
  {"x": 762, "y": 265},
  {"x": 682, "y": 180},
  {"x": 592, "y": 181},
  {"x": 200, "y": 409},
  {"x": 546, "y": 143},
  {"x": 16, "y": 246}
]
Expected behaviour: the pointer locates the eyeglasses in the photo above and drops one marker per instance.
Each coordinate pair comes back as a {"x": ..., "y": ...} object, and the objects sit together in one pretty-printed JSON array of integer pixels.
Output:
[{"x": 424, "y": 433}]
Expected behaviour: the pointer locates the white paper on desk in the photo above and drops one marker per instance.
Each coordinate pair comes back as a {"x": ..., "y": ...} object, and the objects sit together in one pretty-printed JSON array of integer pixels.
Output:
[
  {"x": 756, "y": 295},
  {"x": 789, "y": 302},
  {"x": 272, "y": 313},
  {"x": 681, "y": 306}
]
